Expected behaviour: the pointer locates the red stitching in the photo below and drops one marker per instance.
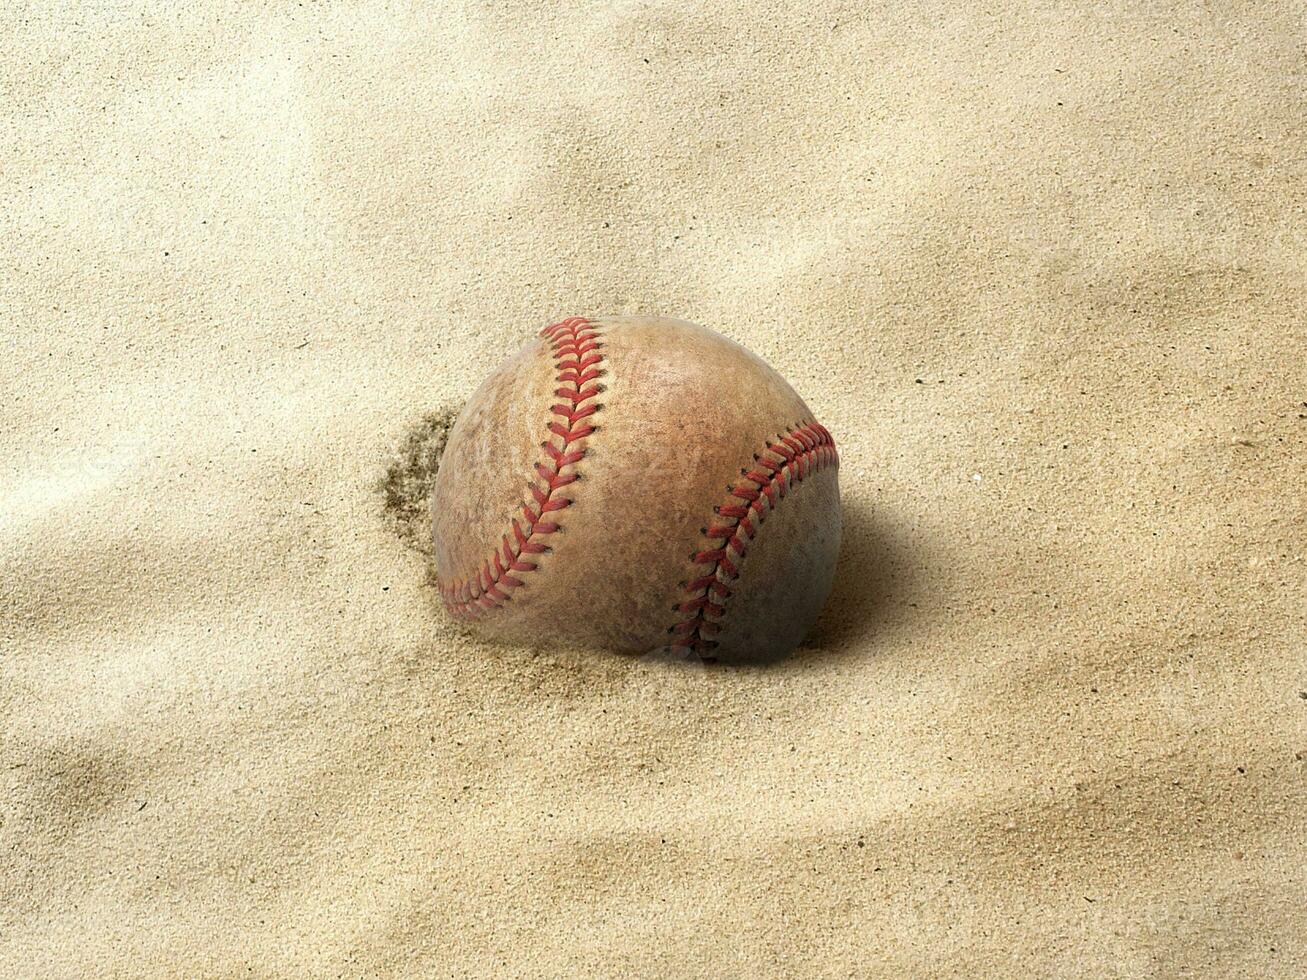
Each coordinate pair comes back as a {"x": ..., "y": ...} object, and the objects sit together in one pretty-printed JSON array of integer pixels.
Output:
[
  {"x": 577, "y": 356},
  {"x": 802, "y": 451}
]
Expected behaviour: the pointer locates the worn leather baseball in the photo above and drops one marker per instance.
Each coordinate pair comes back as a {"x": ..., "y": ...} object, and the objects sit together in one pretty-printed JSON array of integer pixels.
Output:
[{"x": 637, "y": 484}]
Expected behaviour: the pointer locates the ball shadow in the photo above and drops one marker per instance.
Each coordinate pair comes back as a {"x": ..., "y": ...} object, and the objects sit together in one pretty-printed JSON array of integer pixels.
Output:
[{"x": 873, "y": 577}]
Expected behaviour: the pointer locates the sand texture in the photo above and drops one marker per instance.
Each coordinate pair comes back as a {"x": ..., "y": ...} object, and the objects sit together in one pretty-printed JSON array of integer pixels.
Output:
[{"x": 1040, "y": 269}]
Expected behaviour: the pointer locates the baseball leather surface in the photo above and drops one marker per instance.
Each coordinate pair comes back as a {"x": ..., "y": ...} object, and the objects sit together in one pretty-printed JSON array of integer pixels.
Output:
[{"x": 635, "y": 484}]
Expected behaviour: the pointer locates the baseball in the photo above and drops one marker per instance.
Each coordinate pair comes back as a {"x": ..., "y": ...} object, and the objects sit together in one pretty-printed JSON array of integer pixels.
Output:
[{"x": 637, "y": 484}]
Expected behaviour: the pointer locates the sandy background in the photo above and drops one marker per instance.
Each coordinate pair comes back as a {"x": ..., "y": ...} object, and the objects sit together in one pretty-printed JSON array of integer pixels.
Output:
[{"x": 1040, "y": 269}]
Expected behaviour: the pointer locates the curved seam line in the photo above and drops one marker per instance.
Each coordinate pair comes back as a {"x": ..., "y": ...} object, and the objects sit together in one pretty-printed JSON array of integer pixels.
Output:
[
  {"x": 578, "y": 364},
  {"x": 786, "y": 461}
]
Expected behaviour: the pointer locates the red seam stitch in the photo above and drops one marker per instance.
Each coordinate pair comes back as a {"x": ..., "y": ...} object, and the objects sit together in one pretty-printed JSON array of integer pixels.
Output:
[
  {"x": 578, "y": 357},
  {"x": 802, "y": 451}
]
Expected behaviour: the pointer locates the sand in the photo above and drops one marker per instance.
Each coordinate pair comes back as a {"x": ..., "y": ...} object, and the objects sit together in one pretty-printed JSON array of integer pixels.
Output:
[{"x": 1041, "y": 271}]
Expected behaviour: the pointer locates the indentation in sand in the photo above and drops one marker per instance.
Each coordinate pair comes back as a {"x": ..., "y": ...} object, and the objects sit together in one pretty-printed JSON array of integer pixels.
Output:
[{"x": 406, "y": 486}]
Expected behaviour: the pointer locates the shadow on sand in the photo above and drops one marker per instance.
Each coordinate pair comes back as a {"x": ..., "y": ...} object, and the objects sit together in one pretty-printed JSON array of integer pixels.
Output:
[{"x": 872, "y": 580}]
